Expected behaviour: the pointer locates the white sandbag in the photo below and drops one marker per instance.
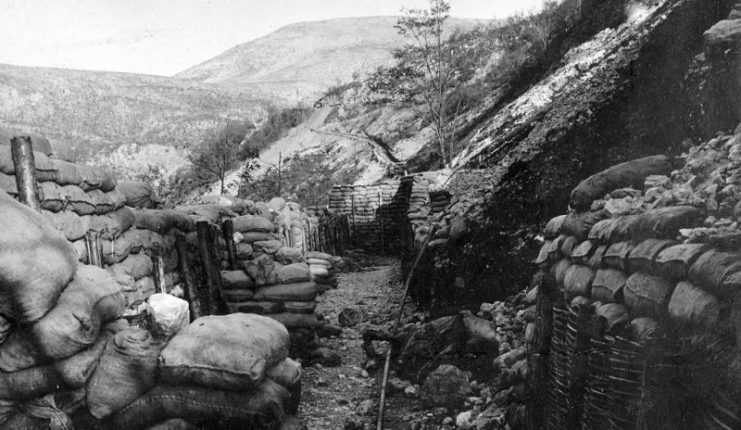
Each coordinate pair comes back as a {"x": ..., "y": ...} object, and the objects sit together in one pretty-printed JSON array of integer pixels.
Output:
[{"x": 168, "y": 314}]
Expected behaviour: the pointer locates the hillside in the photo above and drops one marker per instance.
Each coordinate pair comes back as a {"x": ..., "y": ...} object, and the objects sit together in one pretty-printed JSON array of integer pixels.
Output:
[
  {"x": 302, "y": 60},
  {"x": 86, "y": 113}
]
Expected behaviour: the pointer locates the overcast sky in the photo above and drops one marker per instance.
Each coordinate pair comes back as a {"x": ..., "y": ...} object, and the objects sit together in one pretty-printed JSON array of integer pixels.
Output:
[{"x": 163, "y": 37}]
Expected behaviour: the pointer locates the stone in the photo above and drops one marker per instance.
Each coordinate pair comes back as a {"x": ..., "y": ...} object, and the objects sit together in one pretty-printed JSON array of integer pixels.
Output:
[
  {"x": 329, "y": 330},
  {"x": 396, "y": 385},
  {"x": 349, "y": 317},
  {"x": 325, "y": 357},
  {"x": 463, "y": 418},
  {"x": 411, "y": 391},
  {"x": 353, "y": 423},
  {"x": 508, "y": 359},
  {"x": 366, "y": 407},
  {"x": 447, "y": 386}
]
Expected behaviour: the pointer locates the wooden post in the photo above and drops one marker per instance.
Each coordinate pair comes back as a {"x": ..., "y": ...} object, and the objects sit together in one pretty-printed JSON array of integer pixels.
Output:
[
  {"x": 190, "y": 288},
  {"x": 25, "y": 171},
  {"x": 354, "y": 225},
  {"x": 92, "y": 243},
  {"x": 228, "y": 228},
  {"x": 217, "y": 300},
  {"x": 210, "y": 272},
  {"x": 159, "y": 270},
  {"x": 380, "y": 217}
]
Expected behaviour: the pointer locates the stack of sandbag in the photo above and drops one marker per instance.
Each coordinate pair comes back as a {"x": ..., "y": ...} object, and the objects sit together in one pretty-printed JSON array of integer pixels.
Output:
[
  {"x": 277, "y": 285},
  {"x": 439, "y": 200},
  {"x": 419, "y": 208},
  {"x": 322, "y": 269},
  {"x": 639, "y": 262}
]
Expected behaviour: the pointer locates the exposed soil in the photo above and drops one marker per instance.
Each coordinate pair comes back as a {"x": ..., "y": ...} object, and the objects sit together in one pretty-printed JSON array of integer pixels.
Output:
[{"x": 334, "y": 396}]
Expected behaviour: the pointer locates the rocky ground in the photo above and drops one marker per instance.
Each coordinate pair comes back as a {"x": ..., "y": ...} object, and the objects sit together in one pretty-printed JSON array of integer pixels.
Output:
[{"x": 346, "y": 396}]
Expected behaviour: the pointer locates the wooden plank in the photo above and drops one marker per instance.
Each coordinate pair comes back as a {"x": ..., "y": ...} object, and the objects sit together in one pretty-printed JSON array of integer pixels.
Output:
[
  {"x": 228, "y": 228},
  {"x": 194, "y": 297}
]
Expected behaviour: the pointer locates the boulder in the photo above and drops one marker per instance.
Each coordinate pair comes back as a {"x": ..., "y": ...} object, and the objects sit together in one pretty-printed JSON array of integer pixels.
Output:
[{"x": 447, "y": 386}]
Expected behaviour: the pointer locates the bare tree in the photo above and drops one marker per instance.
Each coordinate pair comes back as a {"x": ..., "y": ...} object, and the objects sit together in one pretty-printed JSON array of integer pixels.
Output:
[
  {"x": 218, "y": 153},
  {"x": 432, "y": 59}
]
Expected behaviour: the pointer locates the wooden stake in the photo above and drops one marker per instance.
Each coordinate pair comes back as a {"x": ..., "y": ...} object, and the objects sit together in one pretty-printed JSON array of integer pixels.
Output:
[
  {"x": 228, "y": 228},
  {"x": 203, "y": 231},
  {"x": 354, "y": 225},
  {"x": 93, "y": 245},
  {"x": 380, "y": 217},
  {"x": 159, "y": 270},
  {"x": 189, "y": 285},
  {"x": 25, "y": 171}
]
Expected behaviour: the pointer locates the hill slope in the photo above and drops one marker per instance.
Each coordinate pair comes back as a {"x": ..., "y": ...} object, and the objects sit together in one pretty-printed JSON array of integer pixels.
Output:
[
  {"x": 302, "y": 60},
  {"x": 86, "y": 112}
]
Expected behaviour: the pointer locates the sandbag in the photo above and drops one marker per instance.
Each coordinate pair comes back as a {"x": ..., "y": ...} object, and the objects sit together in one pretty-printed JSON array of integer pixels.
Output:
[
  {"x": 238, "y": 296},
  {"x": 318, "y": 262},
  {"x": 90, "y": 300},
  {"x": 595, "y": 261},
  {"x": 236, "y": 279},
  {"x": 318, "y": 271},
  {"x": 602, "y": 230},
  {"x": 135, "y": 265},
  {"x": 578, "y": 281},
  {"x": 244, "y": 251},
  {"x": 214, "y": 214},
  {"x": 692, "y": 305},
  {"x": 126, "y": 371},
  {"x": 287, "y": 255},
  {"x": 292, "y": 273},
  {"x": 644, "y": 329},
  {"x": 299, "y": 292},
  {"x": 67, "y": 173},
  {"x": 160, "y": 221},
  {"x": 287, "y": 374},
  {"x": 38, "y": 143},
  {"x": 8, "y": 184},
  {"x": 80, "y": 247},
  {"x": 628, "y": 174},
  {"x": 299, "y": 307},
  {"x": 56, "y": 198},
  {"x": 582, "y": 252},
  {"x": 7, "y": 408},
  {"x": 250, "y": 237},
  {"x": 544, "y": 255},
  {"x": 95, "y": 178},
  {"x": 173, "y": 424},
  {"x": 579, "y": 224},
  {"x": 252, "y": 223},
  {"x": 319, "y": 255},
  {"x": 37, "y": 261},
  {"x": 261, "y": 270},
  {"x": 50, "y": 412},
  {"x": 113, "y": 224},
  {"x": 114, "y": 251},
  {"x": 554, "y": 251},
  {"x": 71, "y": 225},
  {"x": 167, "y": 315},
  {"x": 262, "y": 408},
  {"x": 608, "y": 285},
  {"x": 559, "y": 270},
  {"x": 140, "y": 239},
  {"x": 267, "y": 246},
  {"x": 617, "y": 255},
  {"x": 138, "y": 194},
  {"x": 69, "y": 373},
  {"x": 665, "y": 222},
  {"x": 614, "y": 317},
  {"x": 646, "y": 295},
  {"x": 675, "y": 261},
  {"x": 296, "y": 321},
  {"x": 714, "y": 272},
  {"x": 552, "y": 228},
  {"x": 643, "y": 255},
  {"x": 227, "y": 352},
  {"x": 5, "y": 327},
  {"x": 252, "y": 307}
]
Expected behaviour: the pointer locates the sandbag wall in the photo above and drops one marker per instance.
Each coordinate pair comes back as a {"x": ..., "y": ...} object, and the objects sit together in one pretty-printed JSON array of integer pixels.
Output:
[
  {"x": 272, "y": 279},
  {"x": 377, "y": 213},
  {"x": 648, "y": 259},
  {"x": 68, "y": 359}
]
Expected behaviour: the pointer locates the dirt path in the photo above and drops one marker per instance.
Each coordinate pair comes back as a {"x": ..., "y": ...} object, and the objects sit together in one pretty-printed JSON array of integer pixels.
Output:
[{"x": 332, "y": 396}]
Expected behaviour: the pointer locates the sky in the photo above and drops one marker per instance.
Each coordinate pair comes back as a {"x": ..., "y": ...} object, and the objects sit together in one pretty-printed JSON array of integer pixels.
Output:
[{"x": 164, "y": 37}]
